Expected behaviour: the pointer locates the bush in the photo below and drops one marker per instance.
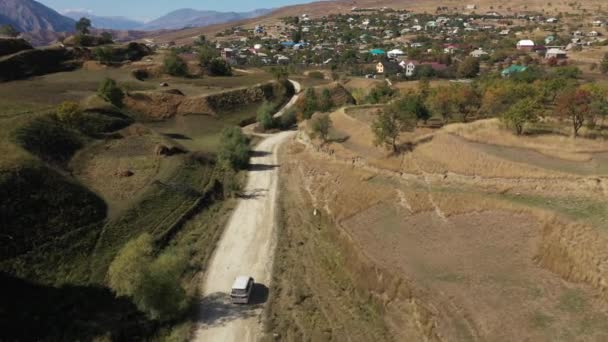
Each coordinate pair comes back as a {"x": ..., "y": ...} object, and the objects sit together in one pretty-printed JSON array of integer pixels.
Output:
[
  {"x": 141, "y": 74},
  {"x": 316, "y": 75},
  {"x": 174, "y": 65},
  {"x": 69, "y": 113},
  {"x": 219, "y": 67},
  {"x": 326, "y": 103},
  {"x": 321, "y": 125},
  {"x": 264, "y": 116},
  {"x": 380, "y": 93},
  {"x": 154, "y": 285},
  {"x": 288, "y": 119},
  {"x": 109, "y": 91},
  {"x": 234, "y": 150},
  {"x": 126, "y": 273}
]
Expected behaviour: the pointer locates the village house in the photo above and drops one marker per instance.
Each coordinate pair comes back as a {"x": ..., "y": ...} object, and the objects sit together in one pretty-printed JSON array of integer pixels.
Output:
[
  {"x": 410, "y": 66},
  {"x": 525, "y": 45},
  {"x": 513, "y": 69},
  {"x": 387, "y": 68},
  {"x": 556, "y": 53},
  {"x": 478, "y": 53}
]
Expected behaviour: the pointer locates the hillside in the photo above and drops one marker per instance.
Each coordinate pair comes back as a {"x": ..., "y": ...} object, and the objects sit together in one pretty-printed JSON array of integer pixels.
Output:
[
  {"x": 29, "y": 15},
  {"x": 192, "y": 18}
]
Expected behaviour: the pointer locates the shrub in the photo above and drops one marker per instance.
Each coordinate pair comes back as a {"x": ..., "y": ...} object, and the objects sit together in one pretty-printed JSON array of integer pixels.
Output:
[
  {"x": 234, "y": 150},
  {"x": 380, "y": 93},
  {"x": 219, "y": 67},
  {"x": 141, "y": 74},
  {"x": 154, "y": 285},
  {"x": 316, "y": 75},
  {"x": 310, "y": 104},
  {"x": 288, "y": 119},
  {"x": 321, "y": 125},
  {"x": 264, "y": 116},
  {"x": 126, "y": 273},
  {"x": 326, "y": 103},
  {"x": 109, "y": 91},
  {"x": 48, "y": 139},
  {"x": 69, "y": 113},
  {"x": 174, "y": 65}
]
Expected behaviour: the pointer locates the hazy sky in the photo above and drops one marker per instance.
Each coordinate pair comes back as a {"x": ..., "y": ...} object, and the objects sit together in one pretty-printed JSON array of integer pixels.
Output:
[{"x": 152, "y": 9}]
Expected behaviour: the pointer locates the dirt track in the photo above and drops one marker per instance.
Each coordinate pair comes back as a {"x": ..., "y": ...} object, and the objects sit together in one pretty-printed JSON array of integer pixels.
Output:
[{"x": 246, "y": 248}]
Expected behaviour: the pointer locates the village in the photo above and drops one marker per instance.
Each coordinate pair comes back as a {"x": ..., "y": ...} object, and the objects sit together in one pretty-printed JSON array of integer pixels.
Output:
[{"x": 400, "y": 45}]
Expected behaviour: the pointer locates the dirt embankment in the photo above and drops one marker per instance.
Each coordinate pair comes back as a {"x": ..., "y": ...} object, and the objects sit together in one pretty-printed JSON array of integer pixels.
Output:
[{"x": 163, "y": 105}]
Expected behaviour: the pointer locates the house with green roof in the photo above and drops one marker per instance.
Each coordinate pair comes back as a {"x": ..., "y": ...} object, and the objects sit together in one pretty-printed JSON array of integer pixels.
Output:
[
  {"x": 513, "y": 69},
  {"x": 377, "y": 52}
]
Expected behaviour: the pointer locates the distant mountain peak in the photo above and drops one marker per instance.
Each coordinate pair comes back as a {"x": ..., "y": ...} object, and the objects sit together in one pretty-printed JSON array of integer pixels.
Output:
[
  {"x": 188, "y": 17},
  {"x": 32, "y": 16}
]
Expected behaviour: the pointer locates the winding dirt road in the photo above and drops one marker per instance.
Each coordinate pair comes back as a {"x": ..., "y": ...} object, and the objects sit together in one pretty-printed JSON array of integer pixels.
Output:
[{"x": 246, "y": 248}]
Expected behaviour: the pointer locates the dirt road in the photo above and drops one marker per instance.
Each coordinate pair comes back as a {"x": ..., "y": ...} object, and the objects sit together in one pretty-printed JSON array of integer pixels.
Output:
[{"x": 246, "y": 248}]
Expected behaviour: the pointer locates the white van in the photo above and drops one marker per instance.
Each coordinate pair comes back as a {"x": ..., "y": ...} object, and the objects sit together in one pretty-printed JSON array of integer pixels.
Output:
[{"x": 241, "y": 290}]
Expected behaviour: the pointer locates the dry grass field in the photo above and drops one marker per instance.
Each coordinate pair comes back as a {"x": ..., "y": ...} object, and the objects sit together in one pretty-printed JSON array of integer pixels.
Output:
[{"x": 490, "y": 236}]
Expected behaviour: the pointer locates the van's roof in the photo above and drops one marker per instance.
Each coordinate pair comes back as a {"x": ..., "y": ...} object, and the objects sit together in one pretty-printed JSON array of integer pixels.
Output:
[{"x": 240, "y": 283}]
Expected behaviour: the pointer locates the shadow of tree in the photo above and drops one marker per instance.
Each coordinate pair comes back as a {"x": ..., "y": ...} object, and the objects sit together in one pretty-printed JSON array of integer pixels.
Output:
[
  {"x": 260, "y": 153},
  {"x": 261, "y": 167},
  {"x": 34, "y": 312},
  {"x": 253, "y": 194}
]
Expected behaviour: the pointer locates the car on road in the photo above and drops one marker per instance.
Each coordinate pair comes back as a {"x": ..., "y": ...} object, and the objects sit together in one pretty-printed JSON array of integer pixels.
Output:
[{"x": 241, "y": 290}]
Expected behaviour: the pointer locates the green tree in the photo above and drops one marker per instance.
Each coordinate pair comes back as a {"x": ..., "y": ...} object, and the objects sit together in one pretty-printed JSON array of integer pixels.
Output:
[
  {"x": 389, "y": 124},
  {"x": 381, "y": 93},
  {"x": 107, "y": 38},
  {"x": 103, "y": 55},
  {"x": 8, "y": 30},
  {"x": 321, "y": 125},
  {"x": 234, "y": 149},
  {"x": 206, "y": 54},
  {"x": 310, "y": 104},
  {"x": 264, "y": 116},
  {"x": 219, "y": 67},
  {"x": 522, "y": 112},
  {"x": 326, "y": 103},
  {"x": 604, "y": 64},
  {"x": 469, "y": 67},
  {"x": 109, "y": 91},
  {"x": 83, "y": 26},
  {"x": 412, "y": 103},
  {"x": 69, "y": 113},
  {"x": 174, "y": 65},
  {"x": 440, "y": 102},
  {"x": 296, "y": 35},
  {"x": 279, "y": 73},
  {"x": 160, "y": 294},
  {"x": 126, "y": 272}
]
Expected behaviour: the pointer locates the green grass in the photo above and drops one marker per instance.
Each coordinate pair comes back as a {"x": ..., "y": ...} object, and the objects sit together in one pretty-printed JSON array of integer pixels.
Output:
[{"x": 572, "y": 301}]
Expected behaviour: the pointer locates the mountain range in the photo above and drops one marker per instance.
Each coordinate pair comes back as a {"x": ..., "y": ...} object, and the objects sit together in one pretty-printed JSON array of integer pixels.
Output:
[
  {"x": 193, "y": 18},
  {"x": 32, "y": 16},
  {"x": 113, "y": 23}
]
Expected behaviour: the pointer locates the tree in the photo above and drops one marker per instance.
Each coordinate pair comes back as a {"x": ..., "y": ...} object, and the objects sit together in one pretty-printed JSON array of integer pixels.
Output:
[
  {"x": 219, "y": 67},
  {"x": 466, "y": 101},
  {"x": 441, "y": 103},
  {"x": 380, "y": 93},
  {"x": 106, "y": 38},
  {"x": 109, "y": 91},
  {"x": 521, "y": 113},
  {"x": 264, "y": 116},
  {"x": 469, "y": 67},
  {"x": 390, "y": 122},
  {"x": 326, "y": 103},
  {"x": 207, "y": 54},
  {"x": 69, "y": 113},
  {"x": 574, "y": 105},
  {"x": 321, "y": 125},
  {"x": 234, "y": 150},
  {"x": 604, "y": 64},
  {"x": 174, "y": 65},
  {"x": 279, "y": 73},
  {"x": 296, "y": 35},
  {"x": 126, "y": 271},
  {"x": 9, "y": 31},
  {"x": 310, "y": 105},
  {"x": 83, "y": 26},
  {"x": 103, "y": 55}
]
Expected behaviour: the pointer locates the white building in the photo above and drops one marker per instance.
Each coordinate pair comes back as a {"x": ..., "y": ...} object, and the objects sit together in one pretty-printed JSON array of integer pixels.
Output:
[{"x": 395, "y": 53}]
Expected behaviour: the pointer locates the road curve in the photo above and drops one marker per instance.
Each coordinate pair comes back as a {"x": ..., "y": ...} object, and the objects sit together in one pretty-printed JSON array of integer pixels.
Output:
[{"x": 245, "y": 248}]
